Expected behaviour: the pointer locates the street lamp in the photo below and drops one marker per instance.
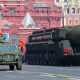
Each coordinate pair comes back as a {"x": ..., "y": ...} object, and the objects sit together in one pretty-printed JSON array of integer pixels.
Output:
[{"x": 62, "y": 19}]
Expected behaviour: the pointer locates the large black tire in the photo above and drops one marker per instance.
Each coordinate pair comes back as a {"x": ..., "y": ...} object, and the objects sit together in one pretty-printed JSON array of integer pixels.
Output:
[
  {"x": 19, "y": 65},
  {"x": 11, "y": 67}
]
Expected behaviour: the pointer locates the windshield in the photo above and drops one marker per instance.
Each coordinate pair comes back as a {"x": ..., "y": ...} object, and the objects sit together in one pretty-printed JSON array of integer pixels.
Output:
[
  {"x": 66, "y": 45},
  {"x": 1, "y": 47},
  {"x": 11, "y": 47}
]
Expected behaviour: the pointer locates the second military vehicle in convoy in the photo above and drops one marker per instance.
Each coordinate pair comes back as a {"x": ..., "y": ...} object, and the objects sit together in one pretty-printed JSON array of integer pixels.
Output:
[
  {"x": 10, "y": 55},
  {"x": 56, "y": 46}
]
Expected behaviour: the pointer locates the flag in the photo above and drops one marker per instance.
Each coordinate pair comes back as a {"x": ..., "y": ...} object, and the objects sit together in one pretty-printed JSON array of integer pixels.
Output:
[
  {"x": 6, "y": 37},
  {"x": 24, "y": 50},
  {"x": 20, "y": 43}
]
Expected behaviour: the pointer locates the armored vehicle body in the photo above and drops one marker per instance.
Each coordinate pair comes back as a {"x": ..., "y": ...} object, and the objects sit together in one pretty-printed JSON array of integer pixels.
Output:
[
  {"x": 10, "y": 55},
  {"x": 56, "y": 46}
]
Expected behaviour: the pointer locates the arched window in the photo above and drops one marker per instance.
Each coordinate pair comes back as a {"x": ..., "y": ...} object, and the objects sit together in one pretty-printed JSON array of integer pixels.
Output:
[
  {"x": 14, "y": 39},
  {"x": 57, "y": 0},
  {"x": 67, "y": 10},
  {"x": 36, "y": 12},
  {"x": 76, "y": 21},
  {"x": 65, "y": 0},
  {"x": 47, "y": 13},
  {"x": 44, "y": 28},
  {"x": 41, "y": 12},
  {"x": 78, "y": 10},
  {"x": 70, "y": 21},
  {"x": 73, "y": 10},
  {"x": 58, "y": 20}
]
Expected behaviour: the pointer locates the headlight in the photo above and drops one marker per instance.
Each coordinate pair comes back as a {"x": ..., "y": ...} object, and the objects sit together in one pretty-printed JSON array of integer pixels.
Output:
[{"x": 16, "y": 56}]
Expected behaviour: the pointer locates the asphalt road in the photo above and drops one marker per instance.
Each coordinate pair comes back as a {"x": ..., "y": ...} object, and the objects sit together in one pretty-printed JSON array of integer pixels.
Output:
[{"x": 37, "y": 72}]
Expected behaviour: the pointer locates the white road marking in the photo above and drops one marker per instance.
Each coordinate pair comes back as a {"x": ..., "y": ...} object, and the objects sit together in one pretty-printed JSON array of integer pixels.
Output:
[
  {"x": 47, "y": 75},
  {"x": 21, "y": 72},
  {"x": 71, "y": 69},
  {"x": 28, "y": 66},
  {"x": 10, "y": 71},
  {"x": 50, "y": 76},
  {"x": 73, "y": 79}
]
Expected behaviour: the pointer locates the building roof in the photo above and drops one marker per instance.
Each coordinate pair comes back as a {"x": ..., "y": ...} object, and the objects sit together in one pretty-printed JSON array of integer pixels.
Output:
[
  {"x": 42, "y": 5},
  {"x": 4, "y": 22},
  {"x": 73, "y": 2},
  {"x": 2, "y": 5},
  {"x": 59, "y": 5},
  {"x": 28, "y": 21}
]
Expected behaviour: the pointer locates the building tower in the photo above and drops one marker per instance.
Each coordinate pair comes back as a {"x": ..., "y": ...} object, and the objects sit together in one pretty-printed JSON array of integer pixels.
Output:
[
  {"x": 71, "y": 13},
  {"x": 72, "y": 3}
]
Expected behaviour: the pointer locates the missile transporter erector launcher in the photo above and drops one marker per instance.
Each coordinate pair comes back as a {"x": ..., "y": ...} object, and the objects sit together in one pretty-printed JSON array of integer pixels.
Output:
[{"x": 56, "y": 46}]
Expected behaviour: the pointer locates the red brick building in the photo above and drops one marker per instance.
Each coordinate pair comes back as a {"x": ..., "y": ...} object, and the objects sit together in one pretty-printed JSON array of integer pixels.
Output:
[{"x": 21, "y": 17}]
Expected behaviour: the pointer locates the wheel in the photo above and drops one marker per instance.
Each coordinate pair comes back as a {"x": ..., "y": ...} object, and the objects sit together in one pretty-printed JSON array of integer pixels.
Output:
[
  {"x": 11, "y": 67},
  {"x": 37, "y": 63},
  {"x": 55, "y": 60},
  {"x": 19, "y": 65},
  {"x": 49, "y": 63},
  {"x": 44, "y": 63},
  {"x": 41, "y": 63}
]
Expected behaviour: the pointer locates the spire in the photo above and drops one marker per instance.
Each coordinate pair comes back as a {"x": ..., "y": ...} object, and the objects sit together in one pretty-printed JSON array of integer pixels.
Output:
[
  {"x": 72, "y": 3},
  {"x": 28, "y": 21}
]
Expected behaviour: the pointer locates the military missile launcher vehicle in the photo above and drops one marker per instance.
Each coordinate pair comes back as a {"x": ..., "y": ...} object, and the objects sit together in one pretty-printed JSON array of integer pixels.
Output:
[
  {"x": 10, "y": 55},
  {"x": 56, "y": 46}
]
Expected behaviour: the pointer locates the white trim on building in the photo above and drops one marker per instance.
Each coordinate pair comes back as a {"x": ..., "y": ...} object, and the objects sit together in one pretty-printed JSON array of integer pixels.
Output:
[{"x": 26, "y": 33}]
